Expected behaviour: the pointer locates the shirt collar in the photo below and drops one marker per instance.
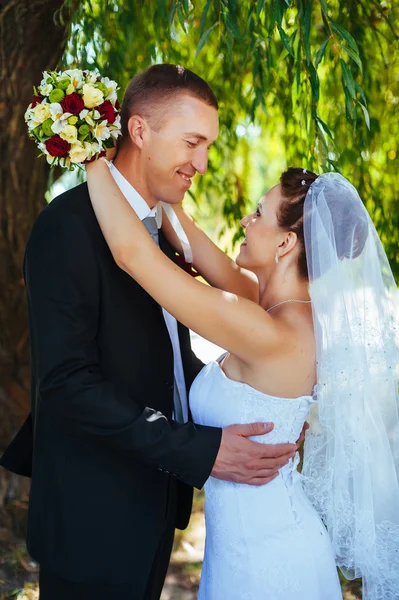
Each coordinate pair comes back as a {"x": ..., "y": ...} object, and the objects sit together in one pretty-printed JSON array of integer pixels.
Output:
[{"x": 136, "y": 201}]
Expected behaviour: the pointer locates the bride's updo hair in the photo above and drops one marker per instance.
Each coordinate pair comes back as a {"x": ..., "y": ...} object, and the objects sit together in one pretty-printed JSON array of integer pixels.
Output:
[
  {"x": 294, "y": 187},
  {"x": 351, "y": 225}
]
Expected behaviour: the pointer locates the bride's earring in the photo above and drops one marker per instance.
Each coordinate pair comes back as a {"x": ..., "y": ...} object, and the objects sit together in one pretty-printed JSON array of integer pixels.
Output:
[{"x": 276, "y": 258}]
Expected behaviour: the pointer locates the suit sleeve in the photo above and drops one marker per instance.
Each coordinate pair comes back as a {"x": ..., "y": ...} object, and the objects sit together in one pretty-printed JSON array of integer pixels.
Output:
[{"x": 63, "y": 290}]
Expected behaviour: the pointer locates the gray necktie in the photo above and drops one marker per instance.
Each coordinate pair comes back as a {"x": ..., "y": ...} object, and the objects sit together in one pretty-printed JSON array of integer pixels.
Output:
[{"x": 152, "y": 228}]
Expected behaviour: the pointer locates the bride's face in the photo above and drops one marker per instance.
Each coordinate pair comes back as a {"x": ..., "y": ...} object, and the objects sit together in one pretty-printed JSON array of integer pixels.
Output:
[
  {"x": 175, "y": 152},
  {"x": 262, "y": 234}
]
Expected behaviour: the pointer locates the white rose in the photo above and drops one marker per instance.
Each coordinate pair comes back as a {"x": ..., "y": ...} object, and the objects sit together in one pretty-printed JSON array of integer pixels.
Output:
[
  {"x": 41, "y": 112},
  {"x": 79, "y": 152},
  {"x": 69, "y": 133},
  {"x": 92, "y": 96}
]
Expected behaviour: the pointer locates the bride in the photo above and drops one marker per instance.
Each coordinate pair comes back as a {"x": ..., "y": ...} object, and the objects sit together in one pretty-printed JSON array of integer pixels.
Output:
[{"x": 312, "y": 330}]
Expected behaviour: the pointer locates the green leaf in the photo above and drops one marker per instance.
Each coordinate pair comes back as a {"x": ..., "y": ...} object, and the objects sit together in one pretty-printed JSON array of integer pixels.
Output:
[
  {"x": 348, "y": 79},
  {"x": 366, "y": 115},
  {"x": 204, "y": 39},
  {"x": 204, "y": 17},
  {"x": 355, "y": 57},
  {"x": 324, "y": 7},
  {"x": 259, "y": 7},
  {"x": 172, "y": 13},
  {"x": 181, "y": 19},
  {"x": 345, "y": 35},
  {"x": 232, "y": 26},
  {"x": 360, "y": 91},
  {"x": 306, "y": 30},
  {"x": 325, "y": 127},
  {"x": 350, "y": 112},
  {"x": 314, "y": 81},
  {"x": 298, "y": 67},
  {"x": 320, "y": 52},
  {"x": 285, "y": 40},
  {"x": 278, "y": 11}
]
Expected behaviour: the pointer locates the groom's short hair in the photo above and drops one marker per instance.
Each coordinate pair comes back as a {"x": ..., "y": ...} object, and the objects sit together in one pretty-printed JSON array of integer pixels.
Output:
[{"x": 151, "y": 93}]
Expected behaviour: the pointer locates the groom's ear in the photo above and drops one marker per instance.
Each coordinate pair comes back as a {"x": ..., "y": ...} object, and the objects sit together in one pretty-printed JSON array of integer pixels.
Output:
[{"x": 137, "y": 130}]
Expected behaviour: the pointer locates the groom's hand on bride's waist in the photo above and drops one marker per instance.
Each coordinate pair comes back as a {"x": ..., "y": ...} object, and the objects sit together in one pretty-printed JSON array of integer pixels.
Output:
[{"x": 244, "y": 461}]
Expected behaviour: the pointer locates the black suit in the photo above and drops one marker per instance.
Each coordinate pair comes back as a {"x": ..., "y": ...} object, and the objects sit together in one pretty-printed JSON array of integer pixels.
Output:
[{"x": 105, "y": 468}]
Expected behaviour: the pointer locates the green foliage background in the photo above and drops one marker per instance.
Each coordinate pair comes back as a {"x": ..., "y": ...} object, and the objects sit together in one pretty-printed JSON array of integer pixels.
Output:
[{"x": 312, "y": 83}]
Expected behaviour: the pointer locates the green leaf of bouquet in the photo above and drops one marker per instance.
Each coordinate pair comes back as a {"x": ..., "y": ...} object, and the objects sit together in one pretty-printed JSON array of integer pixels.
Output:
[{"x": 203, "y": 39}]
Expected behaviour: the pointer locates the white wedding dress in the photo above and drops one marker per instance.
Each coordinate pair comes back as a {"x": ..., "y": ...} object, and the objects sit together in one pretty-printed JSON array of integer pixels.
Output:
[{"x": 262, "y": 543}]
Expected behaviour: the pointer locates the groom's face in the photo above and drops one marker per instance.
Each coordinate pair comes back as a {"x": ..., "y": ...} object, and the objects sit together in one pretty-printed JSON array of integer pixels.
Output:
[{"x": 177, "y": 149}]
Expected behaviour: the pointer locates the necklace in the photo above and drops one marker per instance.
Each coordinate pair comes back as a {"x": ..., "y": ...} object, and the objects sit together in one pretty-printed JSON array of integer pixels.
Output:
[{"x": 285, "y": 302}]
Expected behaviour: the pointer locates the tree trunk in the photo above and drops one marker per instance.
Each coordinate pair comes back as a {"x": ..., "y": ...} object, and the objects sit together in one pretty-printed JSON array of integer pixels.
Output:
[{"x": 32, "y": 39}]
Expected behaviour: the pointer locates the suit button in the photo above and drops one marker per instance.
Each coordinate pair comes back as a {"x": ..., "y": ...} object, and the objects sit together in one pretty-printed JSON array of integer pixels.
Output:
[{"x": 169, "y": 386}]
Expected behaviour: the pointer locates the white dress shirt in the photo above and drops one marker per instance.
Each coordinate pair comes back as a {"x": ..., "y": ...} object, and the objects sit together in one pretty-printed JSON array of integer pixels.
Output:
[{"x": 142, "y": 210}]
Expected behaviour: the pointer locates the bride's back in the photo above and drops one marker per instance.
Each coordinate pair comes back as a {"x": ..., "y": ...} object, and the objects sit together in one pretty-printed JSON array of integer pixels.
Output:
[{"x": 290, "y": 370}]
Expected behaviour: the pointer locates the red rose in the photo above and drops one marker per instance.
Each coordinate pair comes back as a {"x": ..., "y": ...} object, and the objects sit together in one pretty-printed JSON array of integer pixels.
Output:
[
  {"x": 56, "y": 146},
  {"x": 106, "y": 110},
  {"x": 36, "y": 100},
  {"x": 72, "y": 103},
  {"x": 117, "y": 105},
  {"x": 94, "y": 157}
]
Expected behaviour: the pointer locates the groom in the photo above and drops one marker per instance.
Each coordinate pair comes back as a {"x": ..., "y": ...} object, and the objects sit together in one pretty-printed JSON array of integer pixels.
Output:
[{"x": 115, "y": 455}]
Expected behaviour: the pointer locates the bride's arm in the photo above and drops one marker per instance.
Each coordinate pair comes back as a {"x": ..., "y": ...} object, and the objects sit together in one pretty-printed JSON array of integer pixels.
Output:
[
  {"x": 234, "y": 323},
  {"x": 215, "y": 266}
]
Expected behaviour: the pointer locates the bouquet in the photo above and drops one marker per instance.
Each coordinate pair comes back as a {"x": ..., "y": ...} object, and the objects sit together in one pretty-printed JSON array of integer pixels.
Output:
[{"x": 74, "y": 117}]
